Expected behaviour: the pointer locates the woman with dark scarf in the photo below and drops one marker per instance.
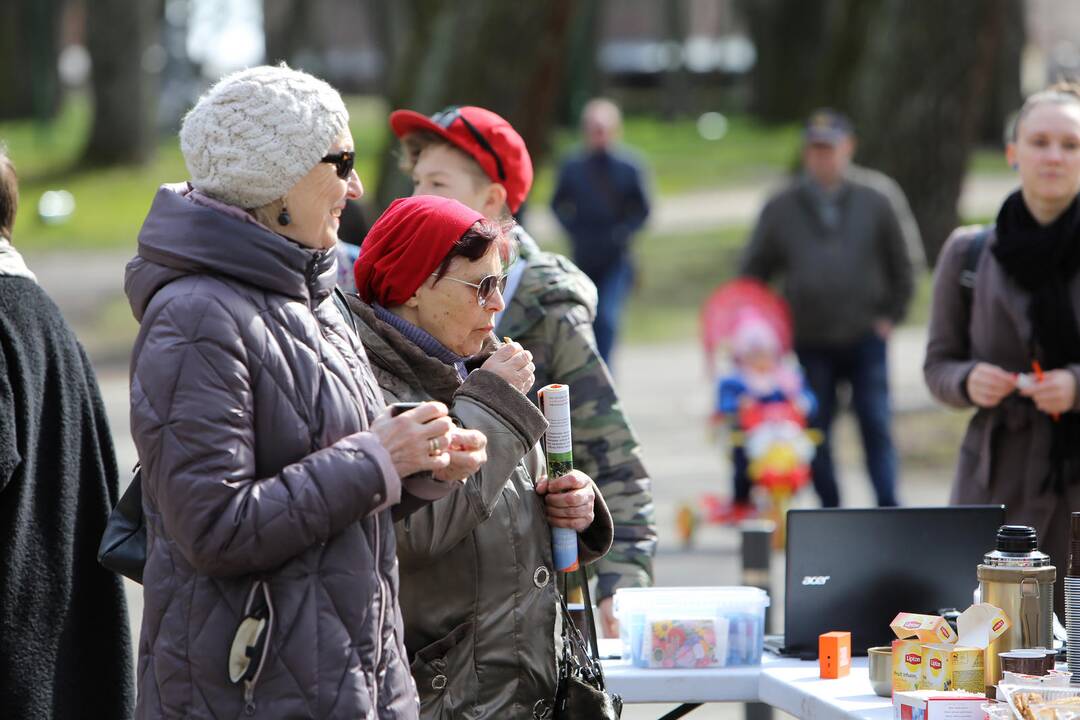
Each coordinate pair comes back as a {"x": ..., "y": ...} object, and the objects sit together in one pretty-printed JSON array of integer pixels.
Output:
[{"x": 1004, "y": 335}]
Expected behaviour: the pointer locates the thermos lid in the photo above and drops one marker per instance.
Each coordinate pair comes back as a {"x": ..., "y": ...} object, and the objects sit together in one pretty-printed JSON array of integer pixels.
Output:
[
  {"x": 1016, "y": 539},
  {"x": 1016, "y": 546}
]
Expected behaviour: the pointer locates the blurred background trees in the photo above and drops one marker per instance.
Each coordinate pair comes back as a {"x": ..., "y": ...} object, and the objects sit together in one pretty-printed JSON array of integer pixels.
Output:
[{"x": 925, "y": 82}]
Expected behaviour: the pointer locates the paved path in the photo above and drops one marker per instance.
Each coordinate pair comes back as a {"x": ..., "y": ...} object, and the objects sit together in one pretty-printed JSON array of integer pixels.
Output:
[{"x": 80, "y": 283}]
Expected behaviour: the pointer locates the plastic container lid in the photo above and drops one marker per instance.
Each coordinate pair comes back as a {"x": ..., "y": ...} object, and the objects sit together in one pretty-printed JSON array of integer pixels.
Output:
[{"x": 663, "y": 599}]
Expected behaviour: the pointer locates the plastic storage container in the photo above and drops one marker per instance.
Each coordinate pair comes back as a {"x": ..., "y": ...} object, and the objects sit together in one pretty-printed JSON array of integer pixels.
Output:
[{"x": 691, "y": 627}]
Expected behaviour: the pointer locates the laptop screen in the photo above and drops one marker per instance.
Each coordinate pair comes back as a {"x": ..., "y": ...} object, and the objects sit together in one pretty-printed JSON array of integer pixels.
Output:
[{"x": 855, "y": 569}]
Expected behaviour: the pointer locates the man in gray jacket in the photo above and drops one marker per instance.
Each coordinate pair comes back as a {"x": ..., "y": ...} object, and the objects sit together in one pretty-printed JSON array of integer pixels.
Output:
[{"x": 841, "y": 240}]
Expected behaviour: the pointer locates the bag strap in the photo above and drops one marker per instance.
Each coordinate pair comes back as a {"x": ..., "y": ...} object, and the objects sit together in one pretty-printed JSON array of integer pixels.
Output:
[
  {"x": 968, "y": 272},
  {"x": 583, "y": 578}
]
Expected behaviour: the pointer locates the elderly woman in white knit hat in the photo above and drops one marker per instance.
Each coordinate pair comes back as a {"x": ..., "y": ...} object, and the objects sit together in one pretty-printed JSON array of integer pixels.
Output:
[{"x": 271, "y": 471}]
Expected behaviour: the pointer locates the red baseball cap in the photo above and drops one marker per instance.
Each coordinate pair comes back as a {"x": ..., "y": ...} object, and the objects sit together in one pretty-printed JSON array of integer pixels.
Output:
[{"x": 486, "y": 137}]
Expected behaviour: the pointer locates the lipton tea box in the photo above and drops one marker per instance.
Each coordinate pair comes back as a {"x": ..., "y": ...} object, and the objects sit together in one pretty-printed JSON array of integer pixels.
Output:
[
  {"x": 953, "y": 667},
  {"x": 913, "y": 632},
  {"x": 960, "y": 666}
]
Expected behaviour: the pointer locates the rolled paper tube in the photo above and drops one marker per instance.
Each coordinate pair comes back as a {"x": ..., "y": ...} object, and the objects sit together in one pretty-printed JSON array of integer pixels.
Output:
[{"x": 555, "y": 404}]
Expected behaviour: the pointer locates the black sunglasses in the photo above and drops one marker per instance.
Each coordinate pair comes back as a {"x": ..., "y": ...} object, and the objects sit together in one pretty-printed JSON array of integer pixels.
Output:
[
  {"x": 343, "y": 161},
  {"x": 445, "y": 118}
]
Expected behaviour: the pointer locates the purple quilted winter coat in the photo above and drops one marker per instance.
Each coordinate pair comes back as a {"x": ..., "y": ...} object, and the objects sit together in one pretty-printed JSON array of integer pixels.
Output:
[{"x": 248, "y": 395}]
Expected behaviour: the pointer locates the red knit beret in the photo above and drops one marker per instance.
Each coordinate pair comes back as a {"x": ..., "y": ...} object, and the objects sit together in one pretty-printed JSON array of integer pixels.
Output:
[{"x": 406, "y": 244}]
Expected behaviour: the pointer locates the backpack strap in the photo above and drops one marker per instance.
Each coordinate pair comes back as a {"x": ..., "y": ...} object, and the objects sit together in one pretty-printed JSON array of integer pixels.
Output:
[{"x": 971, "y": 262}]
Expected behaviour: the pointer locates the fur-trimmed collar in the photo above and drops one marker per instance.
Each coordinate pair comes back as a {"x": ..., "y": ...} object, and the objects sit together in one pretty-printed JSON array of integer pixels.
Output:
[{"x": 12, "y": 263}]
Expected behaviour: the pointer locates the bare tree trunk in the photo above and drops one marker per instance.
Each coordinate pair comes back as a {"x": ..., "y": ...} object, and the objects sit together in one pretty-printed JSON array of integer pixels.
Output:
[
  {"x": 677, "y": 79},
  {"x": 123, "y": 38},
  {"x": 505, "y": 56},
  {"x": 1004, "y": 96},
  {"x": 918, "y": 125},
  {"x": 790, "y": 38},
  {"x": 581, "y": 72},
  {"x": 29, "y": 44},
  {"x": 287, "y": 29}
]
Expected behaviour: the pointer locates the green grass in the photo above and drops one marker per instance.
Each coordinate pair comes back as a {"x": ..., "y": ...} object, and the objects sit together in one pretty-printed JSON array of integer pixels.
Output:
[
  {"x": 989, "y": 161},
  {"x": 679, "y": 160},
  {"x": 676, "y": 272},
  {"x": 110, "y": 204}
]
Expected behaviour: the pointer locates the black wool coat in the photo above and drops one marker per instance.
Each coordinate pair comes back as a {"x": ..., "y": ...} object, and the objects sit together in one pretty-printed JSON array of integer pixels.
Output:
[{"x": 65, "y": 647}]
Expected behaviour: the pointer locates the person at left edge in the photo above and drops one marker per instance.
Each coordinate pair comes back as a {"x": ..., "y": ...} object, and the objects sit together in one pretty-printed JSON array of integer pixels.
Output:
[
  {"x": 477, "y": 581},
  {"x": 64, "y": 638}
]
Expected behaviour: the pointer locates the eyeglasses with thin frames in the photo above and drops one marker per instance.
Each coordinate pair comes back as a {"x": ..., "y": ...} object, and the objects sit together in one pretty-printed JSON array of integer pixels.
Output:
[
  {"x": 484, "y": 289},
  {"x": 445, "y": 118},
  {"x": 343, "y": 161}
]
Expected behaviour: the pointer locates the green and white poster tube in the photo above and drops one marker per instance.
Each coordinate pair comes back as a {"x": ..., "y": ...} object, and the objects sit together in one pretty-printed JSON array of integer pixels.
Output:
[{"x": 555, "y": 404}]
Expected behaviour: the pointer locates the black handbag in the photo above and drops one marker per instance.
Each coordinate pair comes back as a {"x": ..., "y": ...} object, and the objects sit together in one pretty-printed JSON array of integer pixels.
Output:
[
  {"x": 582, "y": 692},
  {"x": 123, "y": 545}
]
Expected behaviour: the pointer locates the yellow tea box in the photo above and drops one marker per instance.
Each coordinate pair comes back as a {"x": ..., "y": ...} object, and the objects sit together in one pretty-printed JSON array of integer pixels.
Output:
[
  {"x": 907, "y": 659},
  {"x": 953, "y": 667},
  {"x": 914, "y": 631}
]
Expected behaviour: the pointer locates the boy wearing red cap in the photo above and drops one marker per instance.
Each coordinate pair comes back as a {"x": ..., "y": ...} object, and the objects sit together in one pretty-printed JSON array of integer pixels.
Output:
[{"x": 476, "y": 157}]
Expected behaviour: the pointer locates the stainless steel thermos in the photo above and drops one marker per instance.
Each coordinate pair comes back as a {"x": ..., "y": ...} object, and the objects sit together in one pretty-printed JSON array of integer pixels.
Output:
[{"x": 1019, "y": 579}]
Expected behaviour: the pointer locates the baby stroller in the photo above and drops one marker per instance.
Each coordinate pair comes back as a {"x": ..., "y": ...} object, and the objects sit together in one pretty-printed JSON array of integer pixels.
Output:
[{"x": 761, "y": 400}]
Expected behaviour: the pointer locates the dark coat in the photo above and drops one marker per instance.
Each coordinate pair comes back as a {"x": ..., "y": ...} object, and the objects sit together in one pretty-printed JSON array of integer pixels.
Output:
[
  {"x": 477, "y": 589},
  {"x": 1005, "y": 453},
  {"x": 837, "y": 279},
  {"x": 600, "y": 200},
  {"x": 64, "y": 640},
  {"x": 248, "y": 397}
]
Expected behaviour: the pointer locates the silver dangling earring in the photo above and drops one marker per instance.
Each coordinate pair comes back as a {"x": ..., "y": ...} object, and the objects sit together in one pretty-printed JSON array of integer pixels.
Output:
[{"x": 283, "y": 217}]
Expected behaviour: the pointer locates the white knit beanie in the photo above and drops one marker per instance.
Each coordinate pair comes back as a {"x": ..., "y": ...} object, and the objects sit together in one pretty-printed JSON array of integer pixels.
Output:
[{"x": 257, "y": 132}]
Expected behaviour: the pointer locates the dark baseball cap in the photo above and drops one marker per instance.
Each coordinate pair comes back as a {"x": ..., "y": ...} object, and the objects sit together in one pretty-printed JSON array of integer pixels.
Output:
[
  {"x": 827, "y": 126},
  {"x": 485, "y": 137}
]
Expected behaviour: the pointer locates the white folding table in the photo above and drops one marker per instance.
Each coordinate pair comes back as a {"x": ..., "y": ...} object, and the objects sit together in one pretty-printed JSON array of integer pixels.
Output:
[{"x": 793, "y": 686}]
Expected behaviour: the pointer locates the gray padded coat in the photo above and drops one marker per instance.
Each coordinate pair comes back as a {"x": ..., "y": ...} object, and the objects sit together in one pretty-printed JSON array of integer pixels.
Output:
[{"x": 248, "y": 395}]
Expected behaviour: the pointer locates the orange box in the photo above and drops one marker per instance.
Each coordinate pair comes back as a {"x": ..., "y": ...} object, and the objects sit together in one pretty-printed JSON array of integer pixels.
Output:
[{"x": 834, "y": 654}]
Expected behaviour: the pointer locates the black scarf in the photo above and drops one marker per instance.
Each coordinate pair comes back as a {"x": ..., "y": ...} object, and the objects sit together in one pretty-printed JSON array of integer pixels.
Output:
[{"x": 1043, "y": 260}]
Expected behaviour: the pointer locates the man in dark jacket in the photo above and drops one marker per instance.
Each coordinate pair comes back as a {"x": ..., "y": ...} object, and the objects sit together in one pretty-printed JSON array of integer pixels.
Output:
[
  {"x": 601, "y": 202},
  {"x": 63, "y": 618},
  {"x": 841, "y": 238}
]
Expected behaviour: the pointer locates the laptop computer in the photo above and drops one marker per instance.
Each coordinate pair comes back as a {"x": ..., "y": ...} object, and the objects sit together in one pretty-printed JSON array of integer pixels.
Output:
[{"x": 855, "y": 569}]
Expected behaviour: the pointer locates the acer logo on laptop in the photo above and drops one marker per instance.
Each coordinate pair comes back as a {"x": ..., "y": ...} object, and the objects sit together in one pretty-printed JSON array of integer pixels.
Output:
[{"x": 815, "y": 579}]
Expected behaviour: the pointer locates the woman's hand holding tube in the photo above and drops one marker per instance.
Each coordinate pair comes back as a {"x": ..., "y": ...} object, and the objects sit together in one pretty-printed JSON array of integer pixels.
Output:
[
  {"x": 513, "y": 364},
  {"x": 467, "y": 452},
  {"x": 569, "y": 500},
  {"x": 417, "y": 439},
  {"x": 1055, "y": 393},
  {"x": 987, "y": 385}
]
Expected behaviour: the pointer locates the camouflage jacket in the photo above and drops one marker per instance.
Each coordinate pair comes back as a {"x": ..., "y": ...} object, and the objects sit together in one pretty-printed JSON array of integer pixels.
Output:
[{"x": 551, "y": 315}]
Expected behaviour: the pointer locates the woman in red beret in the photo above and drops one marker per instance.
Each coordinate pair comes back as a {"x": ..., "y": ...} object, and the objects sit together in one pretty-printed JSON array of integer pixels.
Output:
[{"x": 477, "y": 590}]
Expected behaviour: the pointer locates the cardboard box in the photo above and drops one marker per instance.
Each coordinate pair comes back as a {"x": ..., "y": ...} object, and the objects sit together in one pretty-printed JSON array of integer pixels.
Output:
[
  {"x": 952, "y": 667},
  {"x": 960, "y": 666},
  {"x": 936, "y": 705},
  {"x": 928, "y": 655},
  {"x": 914, "y": 631},
  {"x": 834, "y": 654}
]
